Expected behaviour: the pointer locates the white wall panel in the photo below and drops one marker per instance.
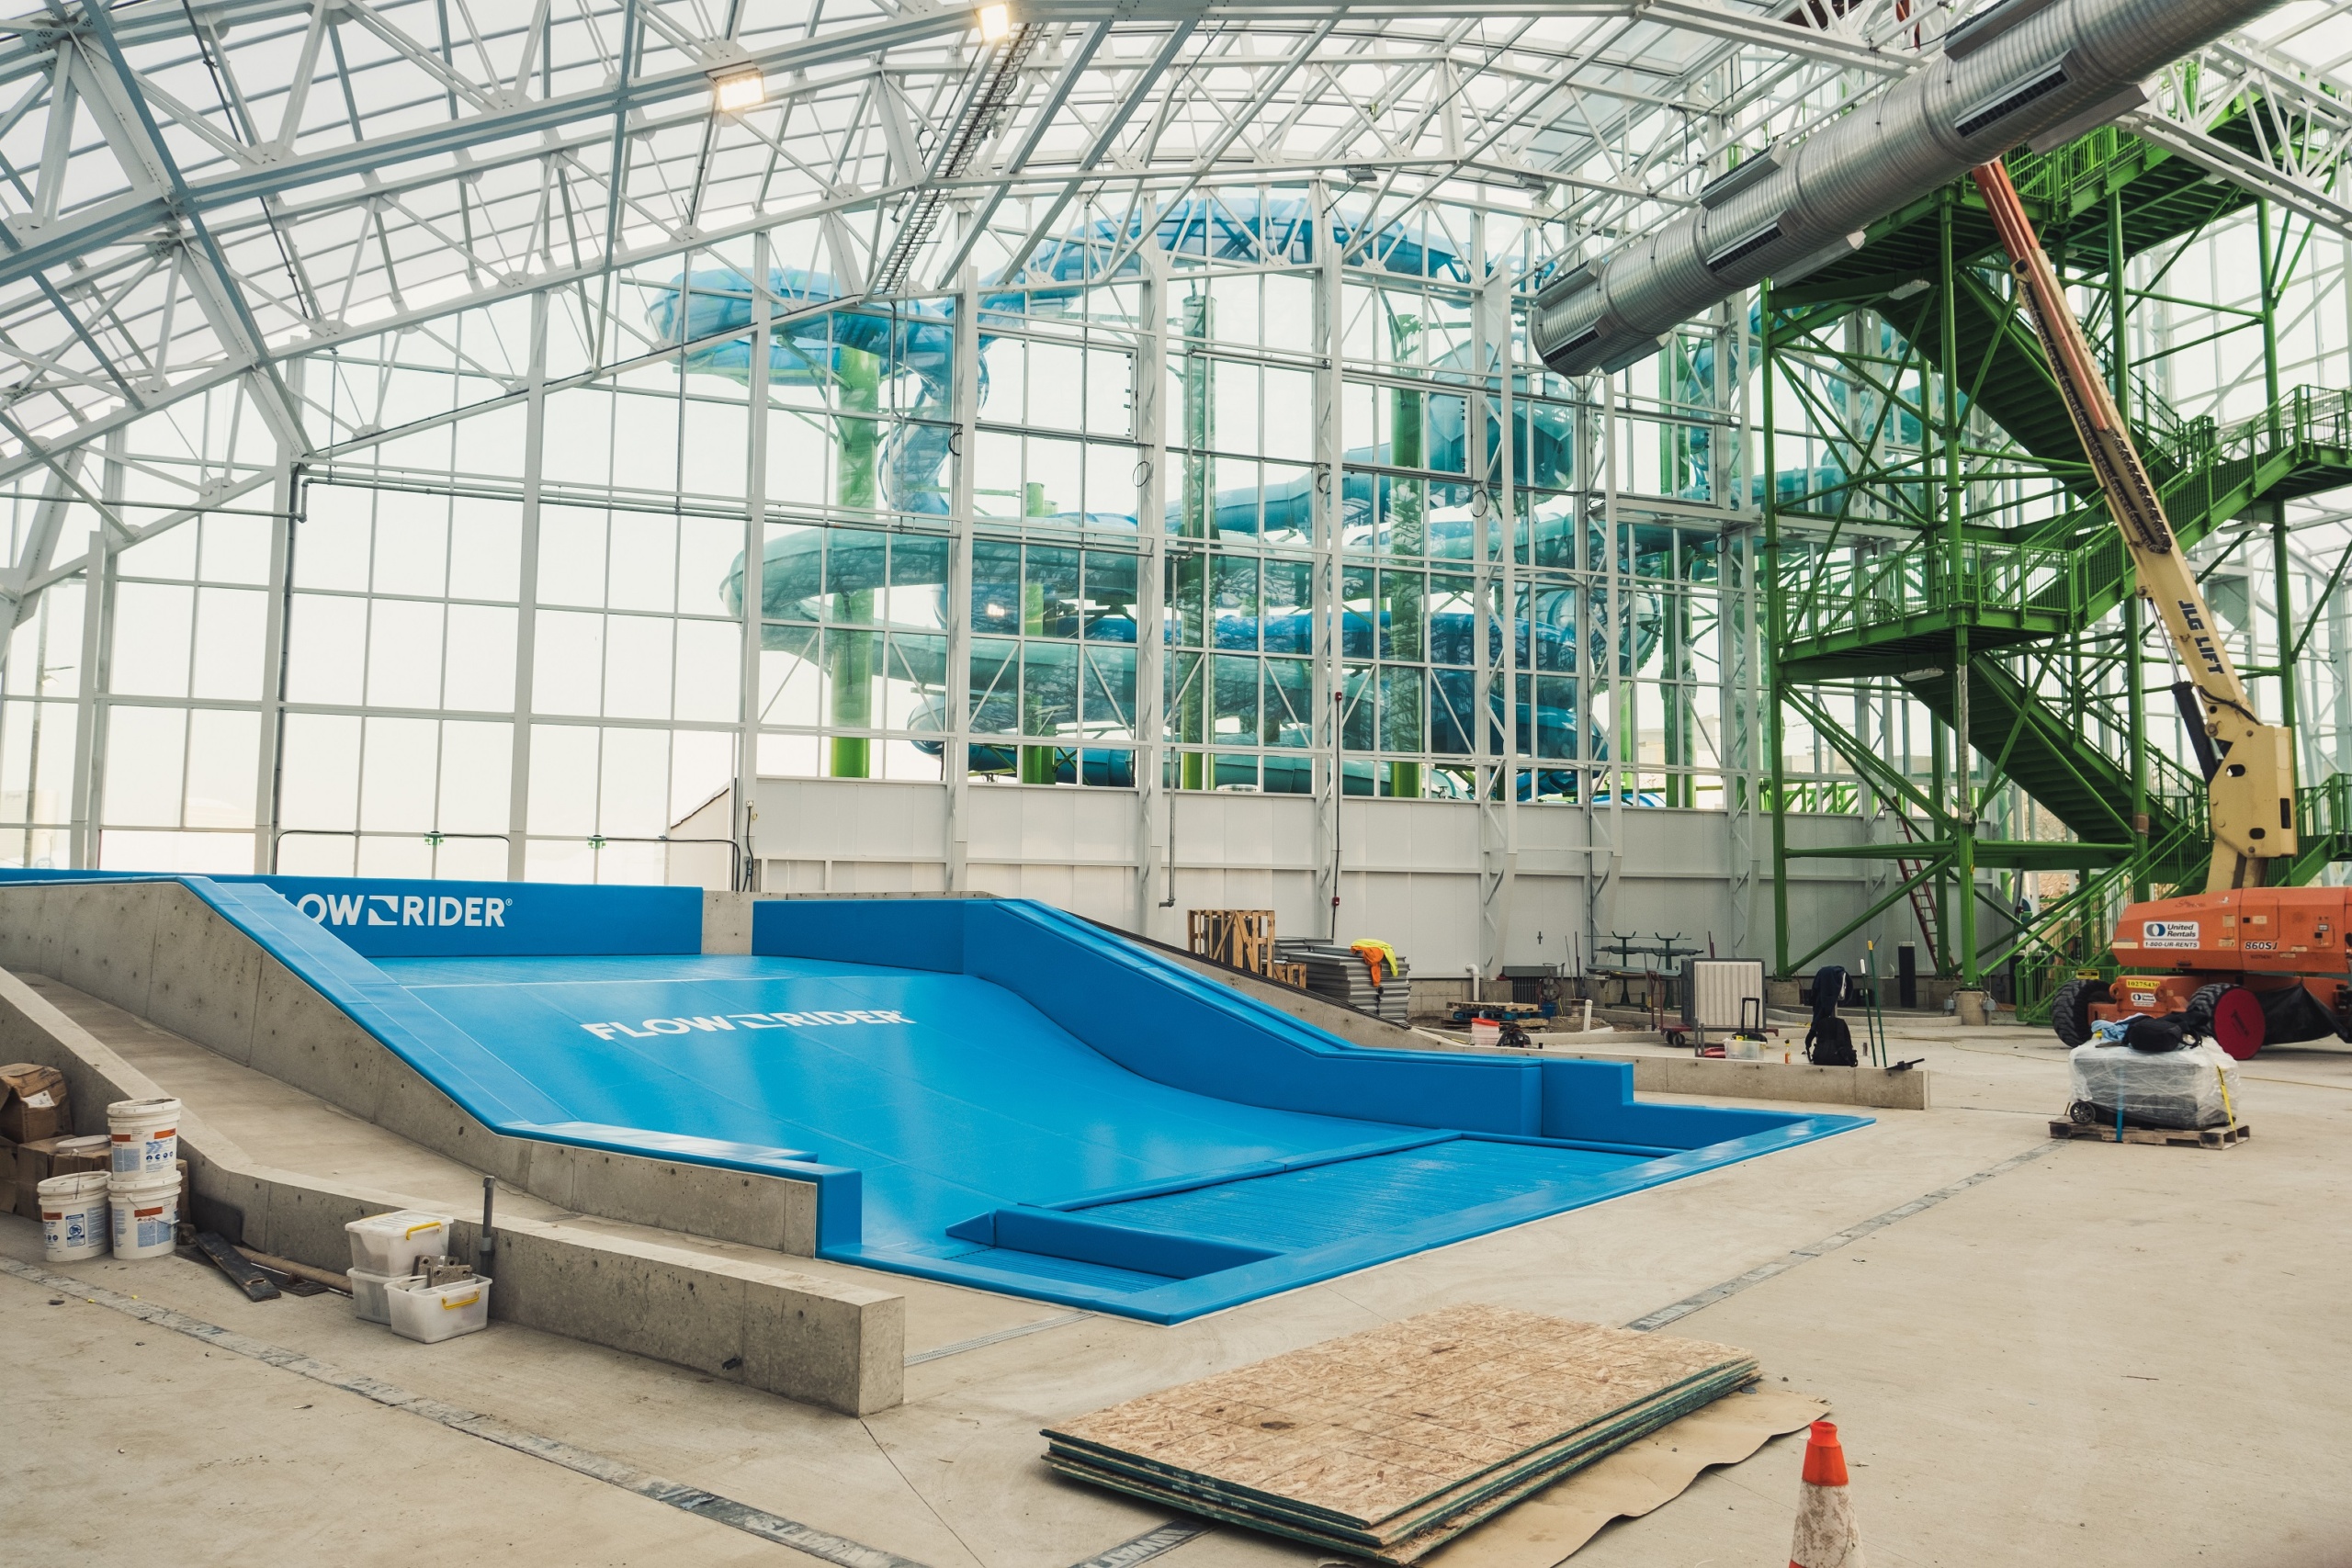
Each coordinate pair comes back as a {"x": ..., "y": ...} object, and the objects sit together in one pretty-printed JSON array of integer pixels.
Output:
[{"x": 1409, "y": 875}]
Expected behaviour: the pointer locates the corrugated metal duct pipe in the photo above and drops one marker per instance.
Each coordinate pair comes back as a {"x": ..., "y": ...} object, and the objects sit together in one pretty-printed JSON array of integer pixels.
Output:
[{"x": 2031, "y": 71}]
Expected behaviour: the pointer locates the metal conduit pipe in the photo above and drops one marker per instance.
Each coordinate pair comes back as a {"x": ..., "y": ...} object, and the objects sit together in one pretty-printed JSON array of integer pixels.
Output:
[{"x": 2041, "y": 72}]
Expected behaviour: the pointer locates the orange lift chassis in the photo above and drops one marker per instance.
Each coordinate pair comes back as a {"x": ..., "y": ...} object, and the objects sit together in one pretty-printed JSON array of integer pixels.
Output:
[{"x": 2246, "y": 963}]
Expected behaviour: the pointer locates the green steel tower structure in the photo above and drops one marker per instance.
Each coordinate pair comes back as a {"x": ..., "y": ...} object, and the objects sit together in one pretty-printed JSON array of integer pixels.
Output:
[{"x": 1938, "y": 557}]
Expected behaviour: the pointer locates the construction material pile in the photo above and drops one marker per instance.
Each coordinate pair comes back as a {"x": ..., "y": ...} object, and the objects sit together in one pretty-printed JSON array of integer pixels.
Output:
[
  {"x": 1388, "y": 1444},
  {"x": 1346, "y": 975},
  {"x": 402, "y": 1276},
  {"x": 2188, "y": 1088},
  {"x": 123, "y": 1190},
  {"x": 1243, "y": 939}
]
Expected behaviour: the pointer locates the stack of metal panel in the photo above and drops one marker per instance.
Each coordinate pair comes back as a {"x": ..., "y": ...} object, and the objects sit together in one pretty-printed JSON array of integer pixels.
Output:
[{"x": 1341, "y": 975}]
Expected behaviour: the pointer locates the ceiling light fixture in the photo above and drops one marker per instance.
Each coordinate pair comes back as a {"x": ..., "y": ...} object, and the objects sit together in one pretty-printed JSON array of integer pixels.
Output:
[
  {"x": 995, "y": 22},
  {"x": 736, "y": 91}
]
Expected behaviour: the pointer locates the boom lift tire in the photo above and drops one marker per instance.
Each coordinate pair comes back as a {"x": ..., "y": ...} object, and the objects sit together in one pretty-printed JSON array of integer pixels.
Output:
[
  {"x": 2201, "y": 1006},
  {"x": 2231, "y": 1016},
  {"x": 2070, "y": 1009}
]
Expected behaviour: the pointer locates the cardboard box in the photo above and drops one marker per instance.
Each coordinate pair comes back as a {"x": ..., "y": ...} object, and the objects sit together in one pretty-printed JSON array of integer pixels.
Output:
[
  {"x": 33, "y": 1104},
  {"x": 35, "y": 1162},
  {"x": 92, "y": 1151},
  {"x": 32, "y": 1170}
]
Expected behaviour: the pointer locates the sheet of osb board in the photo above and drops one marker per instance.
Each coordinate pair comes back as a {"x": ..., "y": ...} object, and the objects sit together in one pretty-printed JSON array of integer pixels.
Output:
[
  {"x": 1546, "y": 1519},
  {"x": 1364, "y": 1427},
  {"x": 1404, "y": 1546},
  {"x": 1439, "y": 1518},
  {"x": 1544, "y": 1529},
  {"x": 1405, "y": 1535}
]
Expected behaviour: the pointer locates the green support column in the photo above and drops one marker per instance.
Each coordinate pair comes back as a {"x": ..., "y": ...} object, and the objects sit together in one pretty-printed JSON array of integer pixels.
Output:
[
  {"x": 1775, "y": 624},
  {"x": 2279, "y": 513},
  {"x": 849, "y": 653},
  {"x": 2268, "y": 264},
  {"x": 2286, "y": 613},
  {"x": 1401, "y": 592},
  {"x": 2135, "y": 676},
  {"x": 1964, "y": 832},
  {"x": 1196, "y": 520},
  {"x": 2136, "y": 688},
  {"x": 1675, "y": 696},
  {"x": 1037, "y": 762},
  {"x": 1963, "y": 772},
  {"x": 2285, "y": 670},
  {"x": 1938, "y": 775}
]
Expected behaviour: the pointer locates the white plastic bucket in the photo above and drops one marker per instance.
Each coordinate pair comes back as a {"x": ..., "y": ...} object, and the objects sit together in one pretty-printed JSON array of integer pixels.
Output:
[
  {"x": 390, "y": 1244},
  {"x": 146, "y": 1213},
  {"x": 80, "y": 1150},
  {"x": 146, "y": 1134},
  {"x": 430, "y": 1313},
  {"x": 74, "y": 1216},
  {"x": 369, "y": 1290}
]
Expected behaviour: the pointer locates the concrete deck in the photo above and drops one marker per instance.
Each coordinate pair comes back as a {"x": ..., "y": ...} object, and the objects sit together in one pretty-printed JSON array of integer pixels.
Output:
[{"x": 2099, "y": 1355}]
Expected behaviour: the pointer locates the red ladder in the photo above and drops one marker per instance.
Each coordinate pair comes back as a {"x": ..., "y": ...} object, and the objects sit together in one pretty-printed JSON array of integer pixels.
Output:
[{"x": 1923, "y": 898}]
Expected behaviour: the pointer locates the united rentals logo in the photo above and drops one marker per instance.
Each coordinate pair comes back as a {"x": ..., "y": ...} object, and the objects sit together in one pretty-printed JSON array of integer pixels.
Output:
[
  {"x": 2168, "y": 934},
  {"x": 647, "y": 1028},
  {"x": 403, "y": 909}
]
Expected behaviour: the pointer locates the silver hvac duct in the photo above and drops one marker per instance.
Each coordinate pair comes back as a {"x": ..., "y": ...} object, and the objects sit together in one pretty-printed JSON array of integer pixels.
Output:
[{"x": 2035, "y": 71}]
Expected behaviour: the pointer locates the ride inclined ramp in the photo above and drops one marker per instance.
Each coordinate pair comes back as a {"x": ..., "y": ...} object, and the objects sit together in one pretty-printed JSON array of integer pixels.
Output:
[
  {"x": 234, "y": 964},
  {"x": 997, "y": 1094},
  {"x": 729, "y": 1314}
]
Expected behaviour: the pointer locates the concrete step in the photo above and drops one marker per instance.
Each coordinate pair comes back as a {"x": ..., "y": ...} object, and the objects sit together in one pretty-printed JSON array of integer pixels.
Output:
[{"x": 282, "y": 1171}]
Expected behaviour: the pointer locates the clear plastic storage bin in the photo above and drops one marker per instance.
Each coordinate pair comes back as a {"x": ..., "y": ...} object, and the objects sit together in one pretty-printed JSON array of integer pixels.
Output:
[
  {"x": 369, "y": 1290},
  {"x": 390, "y": 1244},
  {"x": 430, "y": 1313}
]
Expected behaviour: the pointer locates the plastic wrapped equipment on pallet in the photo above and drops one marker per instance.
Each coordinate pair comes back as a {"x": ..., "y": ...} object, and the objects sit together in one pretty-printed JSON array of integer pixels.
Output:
[{"x": 2188, "y": 1088}]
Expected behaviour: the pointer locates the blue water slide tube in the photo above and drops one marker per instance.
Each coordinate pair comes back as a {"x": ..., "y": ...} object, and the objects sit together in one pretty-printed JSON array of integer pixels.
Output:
[{"x": 802, "y": 568}]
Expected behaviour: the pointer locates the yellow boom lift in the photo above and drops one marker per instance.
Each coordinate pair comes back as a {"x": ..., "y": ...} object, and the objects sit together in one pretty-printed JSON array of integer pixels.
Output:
[{"x": 2240, "y": 957}]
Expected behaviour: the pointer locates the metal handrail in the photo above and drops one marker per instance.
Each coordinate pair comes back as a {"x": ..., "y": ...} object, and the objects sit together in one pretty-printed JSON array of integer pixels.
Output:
[{"x": 1867, "y": 586}]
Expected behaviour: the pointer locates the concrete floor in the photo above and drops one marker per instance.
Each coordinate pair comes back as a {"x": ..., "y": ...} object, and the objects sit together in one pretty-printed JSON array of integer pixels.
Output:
[{"x": 2101, "y": 1355}]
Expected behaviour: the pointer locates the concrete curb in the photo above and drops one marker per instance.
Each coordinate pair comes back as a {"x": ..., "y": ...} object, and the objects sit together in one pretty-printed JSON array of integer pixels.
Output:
[{"x": 1879, "y": 1088}]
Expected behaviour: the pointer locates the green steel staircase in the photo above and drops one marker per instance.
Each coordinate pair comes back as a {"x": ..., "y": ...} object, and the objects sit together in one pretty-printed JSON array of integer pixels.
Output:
[{"x": 1896, "y": 601}]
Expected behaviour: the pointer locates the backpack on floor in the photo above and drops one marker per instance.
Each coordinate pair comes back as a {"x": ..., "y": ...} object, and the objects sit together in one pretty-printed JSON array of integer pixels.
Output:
[
  {"x": 1830, "y": 1043},
  {"x": 1828, "y": 990}
]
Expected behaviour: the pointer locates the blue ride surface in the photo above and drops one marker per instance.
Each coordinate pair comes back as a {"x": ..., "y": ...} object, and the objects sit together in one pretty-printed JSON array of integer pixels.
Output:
[{"x": 993, "y": 1093}]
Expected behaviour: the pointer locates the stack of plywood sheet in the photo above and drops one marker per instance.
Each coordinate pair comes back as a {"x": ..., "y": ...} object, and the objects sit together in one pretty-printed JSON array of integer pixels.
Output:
[{"x": 1388, "y": 1444}]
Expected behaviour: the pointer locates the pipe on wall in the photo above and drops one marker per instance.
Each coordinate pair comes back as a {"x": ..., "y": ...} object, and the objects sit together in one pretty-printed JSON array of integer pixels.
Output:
[{"x": 2022, "y": 70}]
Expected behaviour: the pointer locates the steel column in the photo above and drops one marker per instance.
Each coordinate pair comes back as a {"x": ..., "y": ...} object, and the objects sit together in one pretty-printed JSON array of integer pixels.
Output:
[{"x": 535, "y": 427}]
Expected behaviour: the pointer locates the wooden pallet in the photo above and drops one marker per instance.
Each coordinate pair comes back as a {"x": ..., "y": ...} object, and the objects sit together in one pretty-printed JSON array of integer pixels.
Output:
[
  {"x": 2181, "y": 1138},
  {"x": 1241, "y": 938}
]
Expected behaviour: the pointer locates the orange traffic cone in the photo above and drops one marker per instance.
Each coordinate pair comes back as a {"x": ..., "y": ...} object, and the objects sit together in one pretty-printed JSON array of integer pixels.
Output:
[{"x": 1825, "y": 1535}]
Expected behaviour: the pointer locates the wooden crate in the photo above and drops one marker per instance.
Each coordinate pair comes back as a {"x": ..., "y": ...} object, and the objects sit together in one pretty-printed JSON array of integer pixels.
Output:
[
  {"x": 1242, "y": 938},
  {"x": 2180, "y": 1137},
  {"x": 1290, "y": 975}
]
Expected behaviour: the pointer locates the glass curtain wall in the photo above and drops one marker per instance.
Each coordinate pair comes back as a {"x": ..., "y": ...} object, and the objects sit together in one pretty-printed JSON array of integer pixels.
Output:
[{"x": 496, "y": 622}]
